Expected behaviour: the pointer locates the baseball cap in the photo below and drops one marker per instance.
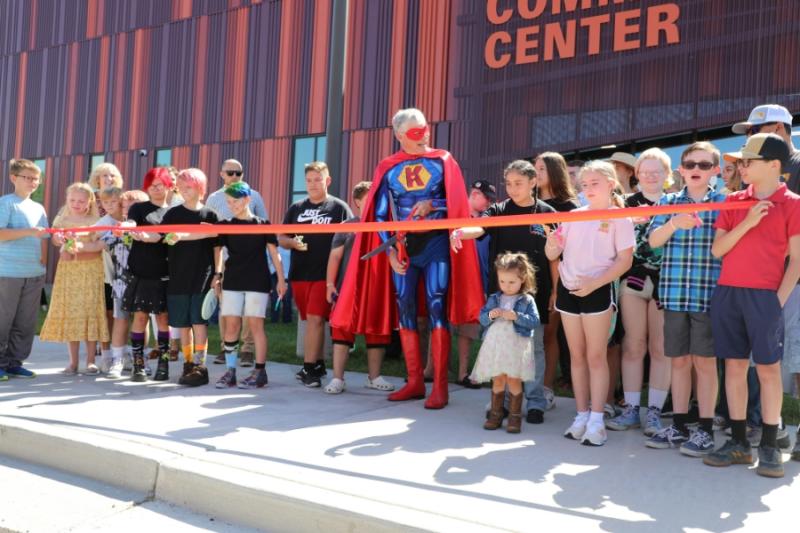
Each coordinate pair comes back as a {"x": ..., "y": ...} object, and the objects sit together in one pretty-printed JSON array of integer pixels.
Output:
[
  {"x": 625, "y": 159},
  {"x": 763, "y": 114},
  {"x": 762, "y": 146},
  {"x": 488, "y": 190}
]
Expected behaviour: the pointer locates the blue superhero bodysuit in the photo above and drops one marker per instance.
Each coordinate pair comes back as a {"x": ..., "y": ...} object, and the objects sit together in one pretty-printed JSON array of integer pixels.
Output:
[{"x": 408, "y": 183}]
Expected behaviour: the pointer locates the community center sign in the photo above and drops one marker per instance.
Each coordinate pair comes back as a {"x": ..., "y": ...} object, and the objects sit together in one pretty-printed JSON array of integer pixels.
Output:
[{"x": 584, "y": 28}]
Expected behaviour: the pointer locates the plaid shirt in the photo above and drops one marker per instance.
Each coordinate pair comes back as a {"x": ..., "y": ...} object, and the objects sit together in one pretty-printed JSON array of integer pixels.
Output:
[{"x": 689, "y": 272}]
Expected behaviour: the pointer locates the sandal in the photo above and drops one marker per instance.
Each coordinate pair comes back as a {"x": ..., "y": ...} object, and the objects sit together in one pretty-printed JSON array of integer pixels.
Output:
[
  {"x": 468, "y": 383},
  {"x": 335, "y": 386},
  {"x": 70, "y": 371},
  {"x": 379, "y": 384},
  {"x": 92, "y": 370}
]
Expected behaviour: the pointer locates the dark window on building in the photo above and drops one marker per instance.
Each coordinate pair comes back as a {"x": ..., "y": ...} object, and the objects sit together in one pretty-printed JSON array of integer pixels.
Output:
[
  {"x": 38, "y": 194},
  {"x": 305, "y": 150},
  {"x": 164, "y": 157}
]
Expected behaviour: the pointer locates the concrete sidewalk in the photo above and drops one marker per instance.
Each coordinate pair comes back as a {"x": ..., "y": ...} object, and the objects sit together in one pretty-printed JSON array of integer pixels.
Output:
[{"x": 290, "y": 458}]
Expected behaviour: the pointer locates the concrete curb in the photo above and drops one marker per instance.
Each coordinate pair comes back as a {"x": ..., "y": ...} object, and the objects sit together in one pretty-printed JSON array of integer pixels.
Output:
[{"x": 235, "y": 495}]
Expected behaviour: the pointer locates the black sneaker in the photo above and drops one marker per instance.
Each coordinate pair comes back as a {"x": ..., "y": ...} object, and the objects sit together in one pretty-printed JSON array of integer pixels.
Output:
[
  {"x": 535, "y": 416},
  {"x": 770, "y": 463},
  {"x": 162, "y": 371},
  {"x": 300, "y": 374},
  {"x": 311, "y": 379},
  {"x": 796, "y": 449},
  {"x": 319, "y": 369},
  {"x": 196, "y": 376},
  {"x": 219, "y": 359},
  {"x": 731, "y": 453},
  {"x": 138, "y": 375}
]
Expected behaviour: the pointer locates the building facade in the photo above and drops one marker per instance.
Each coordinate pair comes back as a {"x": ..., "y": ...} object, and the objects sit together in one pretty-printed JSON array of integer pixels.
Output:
[{"x": 193, "y": 82}]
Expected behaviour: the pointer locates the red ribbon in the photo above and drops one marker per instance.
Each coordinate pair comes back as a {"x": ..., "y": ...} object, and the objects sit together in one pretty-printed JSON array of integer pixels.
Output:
[{"x": 425, "y": 225}]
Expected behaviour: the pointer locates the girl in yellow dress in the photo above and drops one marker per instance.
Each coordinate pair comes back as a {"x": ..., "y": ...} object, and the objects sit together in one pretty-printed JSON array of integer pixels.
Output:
[{"x": 77, "y": 308}]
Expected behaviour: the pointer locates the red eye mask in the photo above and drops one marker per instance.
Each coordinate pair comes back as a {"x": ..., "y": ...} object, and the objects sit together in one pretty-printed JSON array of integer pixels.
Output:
[{"x": 416, "y": 134}]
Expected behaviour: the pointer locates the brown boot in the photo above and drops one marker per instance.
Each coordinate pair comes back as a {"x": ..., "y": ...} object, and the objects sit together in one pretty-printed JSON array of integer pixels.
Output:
[
  {"x": 495, "y": 418},
  {"x": 514, "y": 424}
]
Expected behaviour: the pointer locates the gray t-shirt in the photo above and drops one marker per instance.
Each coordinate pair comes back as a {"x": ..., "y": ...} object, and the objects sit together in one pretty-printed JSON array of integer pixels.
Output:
[
  {"x": 346, "y": 240},
  {"x": 791, "y": 172}
]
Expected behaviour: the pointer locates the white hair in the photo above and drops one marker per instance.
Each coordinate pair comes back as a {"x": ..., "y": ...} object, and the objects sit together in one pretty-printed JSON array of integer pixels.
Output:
[{"x": 407, "y": 115}]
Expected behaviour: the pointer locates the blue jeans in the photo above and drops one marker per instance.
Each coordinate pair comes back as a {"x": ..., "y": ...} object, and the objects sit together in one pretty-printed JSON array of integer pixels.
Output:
[{"x": 534, "y": 390}]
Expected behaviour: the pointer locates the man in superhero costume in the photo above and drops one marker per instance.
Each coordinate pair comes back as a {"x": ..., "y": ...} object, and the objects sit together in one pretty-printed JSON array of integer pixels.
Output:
[{"x": 417, "y": 182}]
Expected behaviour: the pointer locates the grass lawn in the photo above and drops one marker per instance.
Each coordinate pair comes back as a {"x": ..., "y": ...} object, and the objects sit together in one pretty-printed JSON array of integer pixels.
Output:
[{"x": 282, "y": 340}]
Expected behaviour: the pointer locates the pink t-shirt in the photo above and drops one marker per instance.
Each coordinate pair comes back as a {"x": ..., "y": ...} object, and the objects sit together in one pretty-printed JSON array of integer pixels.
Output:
[{"x": 591, "y": 247}]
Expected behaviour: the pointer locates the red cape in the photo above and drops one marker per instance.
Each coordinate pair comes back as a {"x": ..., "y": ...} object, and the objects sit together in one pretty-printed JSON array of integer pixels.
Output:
[{"x": 367, "y": 303}]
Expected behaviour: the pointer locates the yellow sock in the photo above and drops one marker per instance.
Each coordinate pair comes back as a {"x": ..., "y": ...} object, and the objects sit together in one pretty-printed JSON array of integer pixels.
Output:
[{"x": 187, "y": 354}]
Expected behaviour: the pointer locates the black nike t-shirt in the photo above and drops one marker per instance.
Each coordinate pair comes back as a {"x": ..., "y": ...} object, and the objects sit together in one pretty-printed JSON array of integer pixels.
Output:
[
  {"x": 312, "y": 264},
  {"x": 147, "y": 260},
  {"x": 246, "y": 268},
  {"x": 527, "y": 239},
  {"x": 191, "y": 263}
]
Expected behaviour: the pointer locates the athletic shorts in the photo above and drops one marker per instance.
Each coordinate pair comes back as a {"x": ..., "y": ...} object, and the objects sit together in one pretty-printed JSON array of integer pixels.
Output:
[
  {"x": 687, "y": 333},
  {"x": 340, "y": 336},
  {"x": 599, "y": 301},
  {"x": 185, "y": 310},
  {"x": 145, "y": 296},
  {"x": 747, "y": 321},
  {"x": 244, "y": 303},
  {"x": 310, "y": 299}
]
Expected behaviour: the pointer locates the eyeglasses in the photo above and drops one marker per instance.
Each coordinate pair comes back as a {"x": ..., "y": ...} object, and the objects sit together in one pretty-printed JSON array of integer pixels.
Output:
[
  {"x": 232, "y": 173},
  {"x": 702, "y": 165},
  {"x": 29, "y": 179},
  {"x": 756, "y": 128}
]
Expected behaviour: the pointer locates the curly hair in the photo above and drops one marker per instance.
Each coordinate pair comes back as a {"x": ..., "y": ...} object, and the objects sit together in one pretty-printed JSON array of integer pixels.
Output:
[{"x": 520, "y": 264}]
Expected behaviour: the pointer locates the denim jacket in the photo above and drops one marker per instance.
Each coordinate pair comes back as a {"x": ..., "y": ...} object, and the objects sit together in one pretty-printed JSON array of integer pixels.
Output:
[{"x": 524, "y": 307}]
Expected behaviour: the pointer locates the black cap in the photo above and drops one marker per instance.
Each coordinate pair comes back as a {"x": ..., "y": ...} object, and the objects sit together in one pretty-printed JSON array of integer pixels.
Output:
[
  {"x": 762, "y": 146},
  {"x": 488, "y": 190}
]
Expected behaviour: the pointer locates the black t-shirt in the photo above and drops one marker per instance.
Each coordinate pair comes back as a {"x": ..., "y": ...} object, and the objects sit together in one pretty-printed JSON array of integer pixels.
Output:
[
  {"x": 312, "y": 264},
  {"x": 147, "y": 260},
  {"x": 527, "y": 239},
  {"x": 562, "y": 207},
  {"x": 191, "y": 263},
  {"x": 246, "y": 268}
]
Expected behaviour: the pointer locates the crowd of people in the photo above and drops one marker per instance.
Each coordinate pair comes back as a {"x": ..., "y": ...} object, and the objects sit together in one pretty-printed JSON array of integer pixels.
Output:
[{"x": 701, "y": 304}]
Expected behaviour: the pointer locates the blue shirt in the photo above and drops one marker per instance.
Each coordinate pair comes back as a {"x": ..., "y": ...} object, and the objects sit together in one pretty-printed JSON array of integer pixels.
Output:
[
  {"x": 21, "y": 258},
  {"x": 689, "y": 272}
]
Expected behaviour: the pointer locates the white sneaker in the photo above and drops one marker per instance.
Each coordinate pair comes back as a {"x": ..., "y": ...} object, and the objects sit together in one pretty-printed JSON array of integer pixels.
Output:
[
  {"x": 105, "y": 364},
  {"x": 127, "y": 362},
  {"x": 115, "y": 370},
  {"x": 335, "y": 386},
  {"x": 578, "y": 427},
  {"x": 550, "y": 398},
  {"x": 595, "y": 435},
  {"x": 379, "y": 384}
]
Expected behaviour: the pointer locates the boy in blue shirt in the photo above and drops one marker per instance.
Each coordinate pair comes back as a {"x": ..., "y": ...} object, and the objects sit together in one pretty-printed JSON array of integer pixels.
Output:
[{"x": 23, "y": 256}]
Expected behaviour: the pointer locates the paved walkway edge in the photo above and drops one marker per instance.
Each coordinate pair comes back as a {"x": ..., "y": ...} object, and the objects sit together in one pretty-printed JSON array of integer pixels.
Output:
[{"x": 234, "y": 495}]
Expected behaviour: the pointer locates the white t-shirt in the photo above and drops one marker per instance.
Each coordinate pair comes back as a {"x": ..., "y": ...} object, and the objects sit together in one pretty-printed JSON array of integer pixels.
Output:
[{"x": 591, "y": 247}]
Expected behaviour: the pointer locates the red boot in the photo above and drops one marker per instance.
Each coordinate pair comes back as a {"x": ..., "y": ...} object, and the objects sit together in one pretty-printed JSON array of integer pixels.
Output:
[
  {"x": 415, "y": 388},
  {"x": 440, "y": 351}
]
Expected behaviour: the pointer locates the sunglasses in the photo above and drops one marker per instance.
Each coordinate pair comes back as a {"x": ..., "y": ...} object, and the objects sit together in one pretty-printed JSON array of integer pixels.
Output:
[
  {"x": 752, "y": 130},
  {"x": 702, "y": 165},
  {"x": 416, "y": 134},
  {"x": 232, "y": 173}
]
